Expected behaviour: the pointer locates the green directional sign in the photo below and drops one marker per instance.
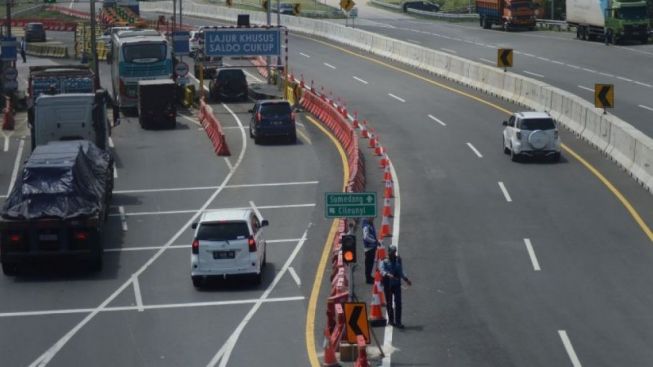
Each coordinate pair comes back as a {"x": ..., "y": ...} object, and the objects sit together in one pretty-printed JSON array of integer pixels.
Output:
[{"x": 350, "y": 204}]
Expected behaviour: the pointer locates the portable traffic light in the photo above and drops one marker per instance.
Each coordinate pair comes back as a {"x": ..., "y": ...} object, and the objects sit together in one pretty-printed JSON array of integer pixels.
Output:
[{"x": 348, "y": 248}]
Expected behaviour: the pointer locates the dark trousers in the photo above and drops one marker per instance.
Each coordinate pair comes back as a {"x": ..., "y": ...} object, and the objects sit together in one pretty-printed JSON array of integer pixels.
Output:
[
  {"x": 393, "y": 297},
  {"x": 370, "y": 256},
  {"x": 22, "y": 54}
]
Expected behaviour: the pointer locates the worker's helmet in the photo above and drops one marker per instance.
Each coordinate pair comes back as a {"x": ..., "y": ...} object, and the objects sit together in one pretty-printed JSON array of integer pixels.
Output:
[{"x": 392, "y": 249}]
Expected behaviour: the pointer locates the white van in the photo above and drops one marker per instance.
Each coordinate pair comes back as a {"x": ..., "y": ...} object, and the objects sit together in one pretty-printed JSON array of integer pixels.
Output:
[{"x": 228, "y": 242}]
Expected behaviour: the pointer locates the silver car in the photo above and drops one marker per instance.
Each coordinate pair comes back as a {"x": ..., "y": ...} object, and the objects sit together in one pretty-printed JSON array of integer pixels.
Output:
[{"x": 531, "y": 134}]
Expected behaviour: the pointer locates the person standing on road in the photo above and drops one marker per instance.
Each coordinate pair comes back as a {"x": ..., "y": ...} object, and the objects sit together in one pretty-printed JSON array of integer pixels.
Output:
[
  {"x": 393, "y": 273},
  {"x": 370, "y": 242},
  {"x": 23, "y": 46}
]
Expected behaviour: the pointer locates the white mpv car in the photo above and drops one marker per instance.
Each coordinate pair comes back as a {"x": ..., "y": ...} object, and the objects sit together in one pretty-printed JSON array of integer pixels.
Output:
[
  {"x": 228, "y": 242},
  {"x": 531, "y": 134}
]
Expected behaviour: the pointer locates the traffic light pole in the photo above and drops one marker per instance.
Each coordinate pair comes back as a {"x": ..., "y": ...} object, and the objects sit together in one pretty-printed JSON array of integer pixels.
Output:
[
  {"x": 96, "y": 64},
  {"x": 8, "y": 17}
]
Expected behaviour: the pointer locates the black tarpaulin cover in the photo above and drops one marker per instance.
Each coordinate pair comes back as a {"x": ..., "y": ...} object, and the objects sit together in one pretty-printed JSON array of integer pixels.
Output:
[{"x": 63, "y": 179}]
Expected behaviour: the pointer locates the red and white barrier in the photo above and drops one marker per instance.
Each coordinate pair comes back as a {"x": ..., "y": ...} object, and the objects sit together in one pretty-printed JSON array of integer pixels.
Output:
[{"x": 213, "y": 129}]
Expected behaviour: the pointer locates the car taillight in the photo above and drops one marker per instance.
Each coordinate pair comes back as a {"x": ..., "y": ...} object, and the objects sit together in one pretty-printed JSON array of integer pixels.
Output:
[
  {"x": 518, "y": 135},
  {"x": 252, "y": 244},
  {"x": 292, "y": 117},
  {"x": 15, "y": 238},
  {"x": 195, "y": 247},
  {"x": 80, "y": 235},
  {"x": 258, "y": 117}
]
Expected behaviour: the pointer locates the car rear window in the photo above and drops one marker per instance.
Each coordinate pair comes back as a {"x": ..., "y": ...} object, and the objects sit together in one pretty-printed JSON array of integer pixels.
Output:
[
  {"x": 222, "y": 231},
  {"x": 276, "y": 109},
  {"x": 537, "y": 124},
  {"x": 35, "y": 27},
  {"x": 231, "y": 75}
]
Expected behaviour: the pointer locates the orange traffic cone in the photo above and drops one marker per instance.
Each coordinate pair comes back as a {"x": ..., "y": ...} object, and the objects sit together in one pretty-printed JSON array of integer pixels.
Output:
[
  {"x": 376, "y": 315},
  {"x": 385, "y": 227},
  {"x": 372, "y": 143},
  {"x": 387, "y": 174},
  {"x": 330, "y": 359},
  {"x": 364, "y": 132},
  {"x": 379, "y": 149},
  {"x": 378, "y": 286},
  {"x": 387, "y": 209},
  {"x": 355, "y": 122},
  {"x": 384, "y": 162},
  {"x": 388, "y": 192}
]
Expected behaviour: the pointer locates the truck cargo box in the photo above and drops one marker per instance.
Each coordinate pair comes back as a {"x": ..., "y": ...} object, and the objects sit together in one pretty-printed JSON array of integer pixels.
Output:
[{"x": 157, "y": 103}]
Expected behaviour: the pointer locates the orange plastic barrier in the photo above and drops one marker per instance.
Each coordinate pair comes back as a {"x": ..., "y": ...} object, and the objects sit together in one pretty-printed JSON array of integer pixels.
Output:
[{"x": 213, "y": 129}]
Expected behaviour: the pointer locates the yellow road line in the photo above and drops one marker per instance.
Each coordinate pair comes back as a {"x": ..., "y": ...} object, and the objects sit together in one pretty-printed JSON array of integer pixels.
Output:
[
  {"x": 622, "y": 199},
  {"x": 315, "y": 291}
]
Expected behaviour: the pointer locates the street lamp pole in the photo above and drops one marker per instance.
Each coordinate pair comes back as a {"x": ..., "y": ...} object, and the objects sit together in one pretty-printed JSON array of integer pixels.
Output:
[
  {"x": 8, "y": 17},
  {"x": 96, "y": 67}
]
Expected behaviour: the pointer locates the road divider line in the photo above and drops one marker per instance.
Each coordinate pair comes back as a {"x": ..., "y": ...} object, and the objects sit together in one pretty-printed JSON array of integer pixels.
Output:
[
  {"x": 134, "y": 214},
  {"x": 14, "y": 172},
  {"x": 624, "y": 79},
  {"x": 360, "y": 80},
  {"x": 437, "y": 120},
  {"x": 586, "y": 88},
  {"x": 173, "y": 247},
  {"x": 569, "y": 348},
  {"x": 271, "y": 184},
  {"x": 231, "y": 167},
  {"x": 6, "y": 144},
  {"x": 111, "y": 145},
  {"x": 574, "y": 66},
  {"x": 448, "y": 50},
  {"x": 397, "y": 98},
  {"x": 589, "y": 70},
  {"x": 478, "y": 154},
  {"x": 505, "y": 191},
  {"x": 533, "y": 74},
  {"x": 147, "y": 307},
  {"x": 644, "y": 84},
  {"x": 115, "y": 171},
  {"x": 329, "y": 66},
  {"x": 294, "y": 275},
  {"x": 123, "y": 218},
  {"x": 645, "y": 107},
  {"x": 137, "y": 294},
  {"x": 531, "y": 254},
  {"x": 487, "y": 61},
  {"x": 557, "y": 62},
  {"x": 606, "y": 74},
  {"x": 305, "y": 55}
]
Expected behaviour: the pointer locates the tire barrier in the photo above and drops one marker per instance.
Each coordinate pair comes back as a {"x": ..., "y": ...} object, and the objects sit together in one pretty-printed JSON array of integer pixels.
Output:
[
  {"x": 50, "y": 25},
  {"x": 57, "y": 51},
  {"x": 213, "y": 129},
  {"x": 624, "y": 144}
]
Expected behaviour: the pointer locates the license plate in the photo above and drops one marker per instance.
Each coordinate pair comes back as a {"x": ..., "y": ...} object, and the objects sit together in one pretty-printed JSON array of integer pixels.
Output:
[
  {"x": 218, "y": 255},
  {"x": 277, "y": 123},
  {"x": 48, "y": 237}
]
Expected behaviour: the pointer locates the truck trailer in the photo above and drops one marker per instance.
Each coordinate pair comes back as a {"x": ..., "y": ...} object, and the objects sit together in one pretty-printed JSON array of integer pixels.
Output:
[
  {"x": 510, "y": 14},
  {"x": 609, "y": 20}
]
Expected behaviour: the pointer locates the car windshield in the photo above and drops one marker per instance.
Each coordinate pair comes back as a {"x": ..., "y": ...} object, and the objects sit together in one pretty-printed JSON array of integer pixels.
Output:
[
  {"x": 222, "y": 231},
  {"x": 276, "y": 109},
  {"x": 145, "y": 53},
  {"x": 537, "y": 124},
  {"x": 35, "y": 27},
  {"x": 225, "y": 75}
]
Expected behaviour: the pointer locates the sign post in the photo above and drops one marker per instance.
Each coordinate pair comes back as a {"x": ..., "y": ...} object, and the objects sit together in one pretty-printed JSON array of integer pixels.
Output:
[
  {"x": 604, "y": 96},
  {"x": 356, "y": 321},
  {"x": 504, "y": 58}
]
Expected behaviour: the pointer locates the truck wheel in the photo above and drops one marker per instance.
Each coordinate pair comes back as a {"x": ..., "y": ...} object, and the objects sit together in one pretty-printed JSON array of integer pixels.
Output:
[
  {"x": 9, "y": 269},
  {"x": 197, "y": 282}
]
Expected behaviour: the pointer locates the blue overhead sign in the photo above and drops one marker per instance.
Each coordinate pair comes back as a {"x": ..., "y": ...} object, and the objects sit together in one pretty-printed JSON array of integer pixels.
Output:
[
  {"x": 8, "y": 49},
  {"x": 242, "y": 42},
  {"x": 180, "y": 43}
]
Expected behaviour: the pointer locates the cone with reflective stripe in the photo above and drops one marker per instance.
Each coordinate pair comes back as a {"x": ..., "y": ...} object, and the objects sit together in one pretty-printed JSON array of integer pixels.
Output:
[
  {"x": 355, "y": 122},
  {"x": 376, "y": 314},
  {"x": 330, "y": 359},
  {"x": 378, "y": 285},
  {"x": 387, "y": 175},
  {"x": 387, "y": 209},
  {"x": 388, "y": 191},
  {"x": 379, "y": 149},
  {"x": 372, "y": 143},
  {"x": 385, "y": 227},
  {"x": 364, "y": 133},
  {"x": 384, "y": 163}
]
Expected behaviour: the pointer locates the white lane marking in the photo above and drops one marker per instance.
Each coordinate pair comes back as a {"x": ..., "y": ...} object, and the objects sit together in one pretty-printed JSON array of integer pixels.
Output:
[
  {"x": 123, "y": 218},
  {"x": 237, "y": 127},
  {"x": 533, "y": 74},
  {"x": 478, "y": 154},
  {"x": 6, "y": 144},
  {"x": 397, "y": 98},
  {"x": 573, "y": 66},
  {"x": 437, "y": 120},
  {"x": 387, "y": 333},
  {"x": 271, "y": 184},
  {"x": 606, "y": 74},
  {"x": 413, "y": 41},
  {"x": 304, "y": 136},
  {"x": 543, "y": 58},
  {"x": 329, "y": 66},
  {"x": 206, "y": 88},
  {"x": 504, "y": 191},
  {"x": 360, "y": 80},
  {"x": 589, "y": 70},
  {"x": 137, "y": 294},
  {"x": 488, "y": 61},
  {"x": 448, "y": 50},
  {"x": 585, "y": 88},
  {"x": 147, "y": 307},
  {"x": 529, "y": 55},
  {"x": 557, "y": 62},
  {"x": 289, "y": 206},
  {"x": 151, "y": 248},
  {"x": 624, "y": 79},
  {"x": 294, "y": 275},
  {"x": 191, "y": 120},
  {"x": 111, "y": 145},
  {"x": 644, "y": 84},
  {"x": 531, "y": 254},
  {"x": 305, "y": 55},
  {"x": 226, "y": 159},
  {"x": 224, "y": 352},
  {"x": 14, "y": 172},
  {"x": 645, "y": 107},
  {"x": 569, "y": 348},
  {"x": 50, "y": 353},
  {"x": 115, "y": 171},
  {"x": 256, "y": 79}
]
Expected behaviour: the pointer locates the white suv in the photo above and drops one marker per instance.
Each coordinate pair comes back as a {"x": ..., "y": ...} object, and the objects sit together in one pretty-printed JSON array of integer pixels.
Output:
[
  {"x": 228, "y": 242},
  {"x": 531, "y": 134}
]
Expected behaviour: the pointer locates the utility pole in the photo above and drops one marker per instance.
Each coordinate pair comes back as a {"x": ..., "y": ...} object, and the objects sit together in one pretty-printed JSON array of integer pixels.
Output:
[
  {"x": 8, "y": 17},
  {"x": 180, "y": 22},
  {"x": 174, "y": 15},
  {"x": 269, "y": 23},
  {"x": 96, "y": 65}
]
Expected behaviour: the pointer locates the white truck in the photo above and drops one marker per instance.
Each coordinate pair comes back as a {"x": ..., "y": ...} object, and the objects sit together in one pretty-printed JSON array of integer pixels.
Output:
[{"x": 610, "y": 20}]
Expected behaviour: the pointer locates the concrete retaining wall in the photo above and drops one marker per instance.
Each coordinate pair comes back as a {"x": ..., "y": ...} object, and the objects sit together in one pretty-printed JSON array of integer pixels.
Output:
[{"x": 624, "y": 144}]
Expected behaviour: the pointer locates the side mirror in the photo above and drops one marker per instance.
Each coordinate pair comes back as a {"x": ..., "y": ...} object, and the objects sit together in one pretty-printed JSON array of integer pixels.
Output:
[
  {"x": 265, "y": 223},
  {"x": 194, "y": 225},
  {"x": 505, "y": 123}
]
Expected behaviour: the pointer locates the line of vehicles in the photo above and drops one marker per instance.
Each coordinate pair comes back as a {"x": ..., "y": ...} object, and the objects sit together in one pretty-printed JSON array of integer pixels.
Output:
[{"x": 611, "y": 20}]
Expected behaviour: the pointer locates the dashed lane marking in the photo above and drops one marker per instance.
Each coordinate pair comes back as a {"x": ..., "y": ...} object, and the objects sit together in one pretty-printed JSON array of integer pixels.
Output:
[
  {"x": 360, "y": 80},
  {"x": 531, "y": 254},
  {"x": 294, "y": 275},
  {"x": 586, "y": 88},
  {"x": 304, "y": 137},
  {"x": 305, "y": 55},
  {"x": 569, "y": 348},
  {"x": 505, "y": 192},
  {"x": 478, "y": 154},
  {"x": 533, "y": 74},
  {"x": 111, "y": 145},
  {"x": 437, "y": 120},
  {"x": 645, "y": 107},
  {"x": 397, "y": 98},
  {"x": 329, "y": 66}
]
